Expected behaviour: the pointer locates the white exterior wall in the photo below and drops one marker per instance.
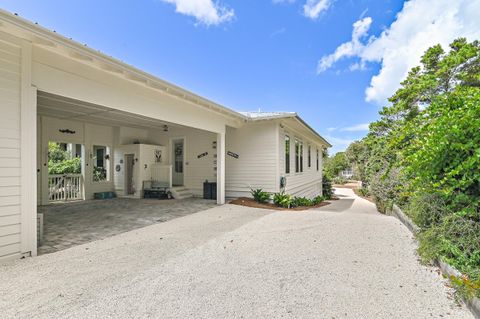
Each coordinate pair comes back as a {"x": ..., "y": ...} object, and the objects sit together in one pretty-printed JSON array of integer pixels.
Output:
[
  {"x": 261, "y": 149},
  {"x": 17, "y": 144},
  {"x": 309, "y": 182},
  {"x": 142, "y": 170},
  {"x": 256, "y": 167},
  {"x": 57, "y": 74},
  {"x": 86, "y": 134},
  {"x": 196, "y": 170},
  {"x": 10, "y": 91}
]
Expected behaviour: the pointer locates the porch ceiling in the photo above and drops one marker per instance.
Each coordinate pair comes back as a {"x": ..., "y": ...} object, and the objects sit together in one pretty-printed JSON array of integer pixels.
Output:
[{"x": 69, "y": 109}]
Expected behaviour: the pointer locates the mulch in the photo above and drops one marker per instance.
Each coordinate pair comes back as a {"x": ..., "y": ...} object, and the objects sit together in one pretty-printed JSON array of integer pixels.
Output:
[{"x": 250, "y": 202}]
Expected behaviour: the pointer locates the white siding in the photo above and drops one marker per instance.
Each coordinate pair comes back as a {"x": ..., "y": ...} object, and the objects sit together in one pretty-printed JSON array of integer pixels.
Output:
[
  {"x": 256, "y": 167},
  {"x": 10, "y": 103},
  {"x": 309, "y": 182},
  {"x": 196, "y": 170}
]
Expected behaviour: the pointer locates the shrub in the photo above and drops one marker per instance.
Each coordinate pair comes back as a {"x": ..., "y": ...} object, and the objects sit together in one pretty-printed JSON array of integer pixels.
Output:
[
  {"x": 456, "y": 240},
  {"x": 363, "y": 191},
  {"x": 327, "y": 187},
  {"x": 340, "y": 180},
  {"x": 69, "y": 166},
  {"x": 427, "y": 210},
  {"x": 282, "y": 200},
  {"x": 301, "y": 201},
  {"x": 317, "y": 200},
  {"x": 259, "y": 195},
  {"x": 385, "y": 186},
  {"x": 99, "y": 174}
]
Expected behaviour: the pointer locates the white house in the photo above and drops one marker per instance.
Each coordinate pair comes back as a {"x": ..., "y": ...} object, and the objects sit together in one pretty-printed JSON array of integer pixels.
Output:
[{"x": 131, "y": 127}]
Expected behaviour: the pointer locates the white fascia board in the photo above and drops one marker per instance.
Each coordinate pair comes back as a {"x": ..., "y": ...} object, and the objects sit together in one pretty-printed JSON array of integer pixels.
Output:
[{"x": 304, "y": 124}]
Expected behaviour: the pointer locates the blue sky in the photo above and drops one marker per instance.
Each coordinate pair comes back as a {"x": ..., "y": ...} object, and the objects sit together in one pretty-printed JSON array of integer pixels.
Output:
[{"x": 275, "y": 55}]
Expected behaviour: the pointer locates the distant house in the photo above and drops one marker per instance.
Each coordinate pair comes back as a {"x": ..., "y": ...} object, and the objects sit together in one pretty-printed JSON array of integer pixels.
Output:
[
  {"x": 127, "y": 127},
  {"x": 347, "y": 173}
]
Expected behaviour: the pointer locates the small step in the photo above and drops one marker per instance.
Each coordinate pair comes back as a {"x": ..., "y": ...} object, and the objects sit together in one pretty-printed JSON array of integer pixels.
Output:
[{"x": 181, "y": 192}]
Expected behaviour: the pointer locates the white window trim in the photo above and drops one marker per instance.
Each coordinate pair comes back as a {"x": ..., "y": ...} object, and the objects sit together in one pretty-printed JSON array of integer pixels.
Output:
[
  {"x": 287, "y": 135},
  {"x": 301, "y": 156},
  {"x": 109, "y": 152}
]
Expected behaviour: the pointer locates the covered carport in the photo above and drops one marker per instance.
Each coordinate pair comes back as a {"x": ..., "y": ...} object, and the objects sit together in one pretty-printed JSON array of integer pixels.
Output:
[
  {"x": 69, "y": 216},
  {"x": 71, "y": 224},
  {"x": 63, "y": 87}
]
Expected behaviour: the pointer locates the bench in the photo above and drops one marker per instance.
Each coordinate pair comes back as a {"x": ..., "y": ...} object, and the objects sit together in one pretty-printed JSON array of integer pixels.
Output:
[{"x": 156, "y": 189}]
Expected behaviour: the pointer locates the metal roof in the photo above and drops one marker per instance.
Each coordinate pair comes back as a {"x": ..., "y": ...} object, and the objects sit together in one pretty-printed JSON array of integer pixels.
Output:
[{"x": 267, "y": 115}]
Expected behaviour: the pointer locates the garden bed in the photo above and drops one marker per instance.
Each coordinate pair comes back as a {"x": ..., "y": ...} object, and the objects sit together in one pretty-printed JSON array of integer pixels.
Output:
[{"x": 250, "y": 202}]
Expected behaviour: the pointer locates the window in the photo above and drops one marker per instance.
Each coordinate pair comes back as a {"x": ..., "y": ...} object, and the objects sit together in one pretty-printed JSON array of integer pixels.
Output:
[
  {"x": 301, "y": 157},
  {"x": 101, "y": 163},
  {"x": 287, "y": 154},
  {"x": 178, "y": 147},
  {"x": 309, "y": 156},
  {"x": 298, "y": 156},
  {"x": 318, "y": 163}
]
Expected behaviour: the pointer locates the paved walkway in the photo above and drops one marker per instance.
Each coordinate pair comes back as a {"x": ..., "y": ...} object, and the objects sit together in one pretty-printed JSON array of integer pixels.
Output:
[
  {"x": 72, "y": 224},
  {"x": 340, "y": 261}
]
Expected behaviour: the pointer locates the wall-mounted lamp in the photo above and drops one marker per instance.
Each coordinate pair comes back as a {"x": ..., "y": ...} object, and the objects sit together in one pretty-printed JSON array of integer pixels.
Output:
[{"x": 165, "y": 128}]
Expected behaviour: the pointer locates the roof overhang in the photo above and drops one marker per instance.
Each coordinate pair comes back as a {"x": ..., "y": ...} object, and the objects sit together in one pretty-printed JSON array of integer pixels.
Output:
[
  {"x": 51, "y": 40},
  {"x": 270, "y": 116},
  {"x": 302, "y": 122}
]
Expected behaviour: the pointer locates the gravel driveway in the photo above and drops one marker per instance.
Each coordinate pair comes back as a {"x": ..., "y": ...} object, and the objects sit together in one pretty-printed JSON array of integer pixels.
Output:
[{"x": 340, "y": 261}]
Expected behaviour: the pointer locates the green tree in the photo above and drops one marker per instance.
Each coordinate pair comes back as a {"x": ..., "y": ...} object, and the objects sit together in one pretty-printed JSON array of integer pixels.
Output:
[
  {"x": 424, "y": 153},
  {"x": 335, "y": 164},
  {"x": 61, "y": 161}
]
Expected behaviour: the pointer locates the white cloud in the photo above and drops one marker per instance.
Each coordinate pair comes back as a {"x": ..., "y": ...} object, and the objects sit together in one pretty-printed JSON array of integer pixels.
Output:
[
  {"x": 356, "y": 128},
  {"x": 313, "y": 8},
  {"x": 419, "y": 25},
  {"x": 206, "y": 12},
  {"x": 338, "y": 144},
  {"x": 347, "y": 49}
]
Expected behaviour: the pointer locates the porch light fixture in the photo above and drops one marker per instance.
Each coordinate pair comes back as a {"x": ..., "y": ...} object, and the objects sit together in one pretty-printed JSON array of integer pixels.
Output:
[{"x": 165, "y": 128}]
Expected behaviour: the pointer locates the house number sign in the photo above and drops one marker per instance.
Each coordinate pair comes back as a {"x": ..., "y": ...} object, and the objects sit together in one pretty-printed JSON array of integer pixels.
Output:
[
  {"x": 66, "y": 131},
  {"x": 232, "y": 154},
  {"x": 202, "y": 155}
]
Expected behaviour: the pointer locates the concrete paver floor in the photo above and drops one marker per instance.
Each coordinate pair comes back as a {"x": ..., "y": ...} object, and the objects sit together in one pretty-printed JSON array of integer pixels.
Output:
[
  {"x": 343, "y": 260},
  {"x": 71, "y": 224}
]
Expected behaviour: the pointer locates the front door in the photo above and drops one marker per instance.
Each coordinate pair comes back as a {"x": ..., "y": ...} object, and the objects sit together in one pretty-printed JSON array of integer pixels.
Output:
[
  {"x": 129, "y": 185},
  {"x": 178, "y": 151}
]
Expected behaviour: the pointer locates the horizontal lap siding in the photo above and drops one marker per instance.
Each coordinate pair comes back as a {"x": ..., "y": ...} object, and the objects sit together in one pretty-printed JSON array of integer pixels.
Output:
[
  {"x": 309, "y": 182},
  {"x": 256, "y": 165},
  {"x": 199, "y": 169},
  {"x": 10, "y": 70}
]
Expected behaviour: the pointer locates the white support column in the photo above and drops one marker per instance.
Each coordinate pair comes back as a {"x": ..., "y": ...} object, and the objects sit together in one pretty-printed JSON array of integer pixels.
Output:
[
  {"x": 28, "y": 155},
  {"x": 221, "y": 168}
]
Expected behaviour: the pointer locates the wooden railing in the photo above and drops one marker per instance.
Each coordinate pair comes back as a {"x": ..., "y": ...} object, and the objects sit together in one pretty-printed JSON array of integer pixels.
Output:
[{"x": 65, "y": 187}]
